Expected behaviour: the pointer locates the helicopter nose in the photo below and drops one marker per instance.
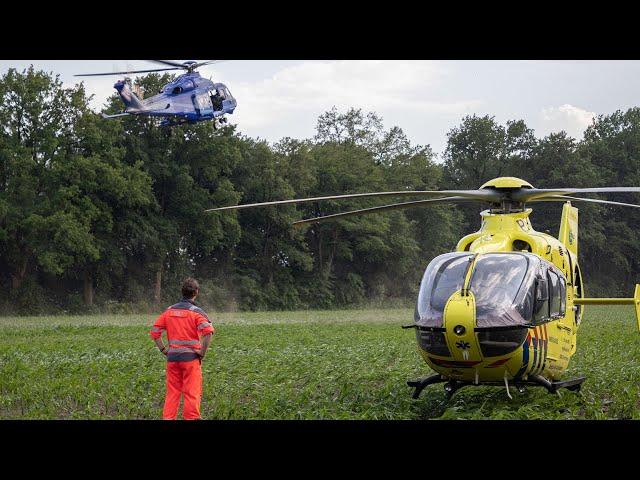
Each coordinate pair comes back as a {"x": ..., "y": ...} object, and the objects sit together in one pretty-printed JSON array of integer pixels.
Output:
[{"x": 459, "y": 322}]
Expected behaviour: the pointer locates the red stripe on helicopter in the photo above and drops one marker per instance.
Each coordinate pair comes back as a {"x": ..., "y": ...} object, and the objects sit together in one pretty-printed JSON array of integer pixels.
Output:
[
  {"x": 525, "y": 356},
  {"x": 497, "y": 363},
  {"x": 543, "y": 349}
]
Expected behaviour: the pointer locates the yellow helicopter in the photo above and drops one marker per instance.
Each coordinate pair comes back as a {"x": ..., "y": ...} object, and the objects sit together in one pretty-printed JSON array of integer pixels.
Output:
[{"x": 507, "y": 304}]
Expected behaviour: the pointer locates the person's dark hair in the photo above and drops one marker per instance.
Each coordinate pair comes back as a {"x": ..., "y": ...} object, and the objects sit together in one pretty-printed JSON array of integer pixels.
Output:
[{"x": 190, "y": 287}]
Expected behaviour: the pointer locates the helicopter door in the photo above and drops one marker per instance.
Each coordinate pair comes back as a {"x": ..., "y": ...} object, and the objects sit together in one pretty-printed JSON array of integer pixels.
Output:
[
  {"x": 229, "y": 103},
  {"x": 202, "y": 104},
  {"x": 217, "y": 98}
]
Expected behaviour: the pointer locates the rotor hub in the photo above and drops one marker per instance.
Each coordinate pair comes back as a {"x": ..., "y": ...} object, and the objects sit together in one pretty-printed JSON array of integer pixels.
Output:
[
  {"x": 506, "y": 183},
  {"x": 505, "y": 186}
]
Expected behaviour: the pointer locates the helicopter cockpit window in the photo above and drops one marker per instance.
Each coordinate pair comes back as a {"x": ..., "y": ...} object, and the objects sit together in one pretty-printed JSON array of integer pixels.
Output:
[
  {"x": 444, "y": 276},
  {"x": 557, "y": 292},
  {"x": 541, "y": 302},
  {"x": 502, "y": 285}
]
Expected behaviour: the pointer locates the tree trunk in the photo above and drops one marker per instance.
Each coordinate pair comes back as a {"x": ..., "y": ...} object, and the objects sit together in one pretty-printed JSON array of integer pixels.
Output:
[
  {"x": 157, "y": 288},
  {"x": 18, "y": 277},
  {"x": 88, "y": 288},
  {"x": 319, "y": 237},
  {"x": 334, "y": 246}
]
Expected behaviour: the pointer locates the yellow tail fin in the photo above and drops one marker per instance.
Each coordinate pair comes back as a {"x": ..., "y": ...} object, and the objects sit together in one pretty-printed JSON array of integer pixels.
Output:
[{"x": 569, "y": 228}]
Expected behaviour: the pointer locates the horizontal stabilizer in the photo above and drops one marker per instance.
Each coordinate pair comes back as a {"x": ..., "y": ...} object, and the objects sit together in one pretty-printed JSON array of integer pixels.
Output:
[
  {"x": 104, "y": 115},
  {"x": 635, "y": 301}
]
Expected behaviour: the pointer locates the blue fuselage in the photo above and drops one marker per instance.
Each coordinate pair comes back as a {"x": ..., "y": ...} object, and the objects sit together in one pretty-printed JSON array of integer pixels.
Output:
[{"x": 189, "y": 98}]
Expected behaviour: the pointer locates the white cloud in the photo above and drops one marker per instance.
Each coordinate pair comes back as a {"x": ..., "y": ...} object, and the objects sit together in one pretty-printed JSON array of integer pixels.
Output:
[
  {"x": 571, "y": 119},
  {"x": 296, "y": 95}
]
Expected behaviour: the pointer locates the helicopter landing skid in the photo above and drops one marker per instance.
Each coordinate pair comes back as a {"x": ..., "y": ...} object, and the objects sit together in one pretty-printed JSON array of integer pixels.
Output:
[
  {"x": 452, "y": 386},
  {"x": 572, "y": 385},
  {"x": 420, "y": 384},
  {"x": 219, "y": 122}
]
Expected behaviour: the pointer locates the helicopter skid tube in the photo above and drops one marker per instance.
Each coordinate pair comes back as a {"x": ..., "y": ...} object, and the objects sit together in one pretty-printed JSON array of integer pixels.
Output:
[
  {"x": 420, "y": 384},
  {"x": 573, "y": 384},
  {"x": 452, "y": 385}
]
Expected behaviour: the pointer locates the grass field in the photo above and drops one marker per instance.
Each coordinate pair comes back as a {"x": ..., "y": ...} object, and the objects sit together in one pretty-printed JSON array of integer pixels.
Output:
[{"x": 292, "y": 365}]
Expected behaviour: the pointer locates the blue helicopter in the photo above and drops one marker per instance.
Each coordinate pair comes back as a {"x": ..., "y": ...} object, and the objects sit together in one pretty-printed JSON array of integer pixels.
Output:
[{"x": 188, "y": 99}]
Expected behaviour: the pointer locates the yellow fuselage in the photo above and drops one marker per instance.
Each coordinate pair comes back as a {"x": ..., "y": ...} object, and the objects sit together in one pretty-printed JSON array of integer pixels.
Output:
[{"x": 548, "y": 347}]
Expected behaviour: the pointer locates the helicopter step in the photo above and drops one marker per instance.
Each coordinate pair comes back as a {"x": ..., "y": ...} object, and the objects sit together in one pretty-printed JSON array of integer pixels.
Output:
[{"x": 572, "y": 385}]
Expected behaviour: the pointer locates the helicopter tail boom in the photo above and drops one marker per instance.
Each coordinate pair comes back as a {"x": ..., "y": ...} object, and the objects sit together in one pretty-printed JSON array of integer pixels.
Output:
[{"x": 635, "y": 301}]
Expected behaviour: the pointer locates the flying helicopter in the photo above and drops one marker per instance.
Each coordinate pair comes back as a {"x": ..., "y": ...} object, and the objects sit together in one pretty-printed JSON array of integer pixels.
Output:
[
  {"x": 188, "y": 99},
  {"x": 507, "y": 304}
]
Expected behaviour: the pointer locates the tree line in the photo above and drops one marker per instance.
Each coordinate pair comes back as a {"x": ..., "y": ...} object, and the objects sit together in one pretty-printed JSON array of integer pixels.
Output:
[{"x": 100, "y": 215}]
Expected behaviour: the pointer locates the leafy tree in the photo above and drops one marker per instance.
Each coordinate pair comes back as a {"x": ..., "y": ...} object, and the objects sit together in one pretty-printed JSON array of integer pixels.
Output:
[
  {"x": 373, "y": 255},
  {"x": 480, "y": 150},
  {"x": 35, "y": 114},
  {"x": 115, "y": 209},
  {"x": 611, "y": 147},
  {"x": 190, "y": 167}
]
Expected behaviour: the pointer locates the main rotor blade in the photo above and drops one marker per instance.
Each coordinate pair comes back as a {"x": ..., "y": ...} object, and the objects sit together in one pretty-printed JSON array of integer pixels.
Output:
[
  {"x": 564, "y": 198},
  {"x": 125, "y": 73},
  {"x": 527, "y": 195},
  {"x": 478, "y": 195},
  {"x": 210, "y": 62},
  {"x": 167, "y": 62},
  {"x": 395, "y": 206}
]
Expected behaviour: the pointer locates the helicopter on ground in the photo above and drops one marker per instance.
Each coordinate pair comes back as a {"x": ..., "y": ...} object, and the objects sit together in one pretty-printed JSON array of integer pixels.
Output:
[
  {"x": 188, "y": 99},
  {"x": 507, "y": 304}
]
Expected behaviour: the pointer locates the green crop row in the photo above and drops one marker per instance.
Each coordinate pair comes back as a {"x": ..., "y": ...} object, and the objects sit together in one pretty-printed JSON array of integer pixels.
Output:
[{"x": 291, "y": 365}]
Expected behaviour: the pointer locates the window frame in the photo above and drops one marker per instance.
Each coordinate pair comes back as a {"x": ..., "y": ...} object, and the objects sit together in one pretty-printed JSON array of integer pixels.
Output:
[
  {"x": 559, "y": 293},
  {"x": 424, "y": 301},
  {"x": 519, "y": 293}
]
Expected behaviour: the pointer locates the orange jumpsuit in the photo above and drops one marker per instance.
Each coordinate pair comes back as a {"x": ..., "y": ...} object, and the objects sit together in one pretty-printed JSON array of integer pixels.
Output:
[{"x": 184, "y": 323}]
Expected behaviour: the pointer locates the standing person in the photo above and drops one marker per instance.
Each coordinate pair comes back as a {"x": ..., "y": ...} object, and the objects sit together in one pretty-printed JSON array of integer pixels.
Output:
[{"x": 189, "y": 332}]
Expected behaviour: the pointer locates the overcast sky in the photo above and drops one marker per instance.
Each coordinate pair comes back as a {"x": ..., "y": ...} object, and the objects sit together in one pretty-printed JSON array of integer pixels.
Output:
[{"x": 425, "y": 98}]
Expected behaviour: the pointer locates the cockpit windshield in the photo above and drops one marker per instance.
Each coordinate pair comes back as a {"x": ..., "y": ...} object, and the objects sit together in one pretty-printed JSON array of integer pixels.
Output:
[
  {"x": 444, "y": 276},
  {"x": 503, "y": 287}
]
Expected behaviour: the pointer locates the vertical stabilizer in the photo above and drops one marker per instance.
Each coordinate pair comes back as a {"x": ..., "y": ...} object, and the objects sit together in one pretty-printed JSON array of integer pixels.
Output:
[
  {"x": 132, "y": 103},
  {"x": 569, "y": 228}
]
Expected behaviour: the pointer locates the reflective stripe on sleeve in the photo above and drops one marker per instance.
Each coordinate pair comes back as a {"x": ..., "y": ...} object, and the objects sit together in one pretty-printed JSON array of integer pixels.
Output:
[
  {"x": 194, "y": 308},
  {"x": 204, "y": 325},
  {"x": 156, "y": 329}
]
